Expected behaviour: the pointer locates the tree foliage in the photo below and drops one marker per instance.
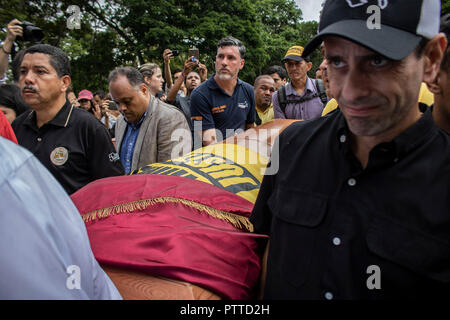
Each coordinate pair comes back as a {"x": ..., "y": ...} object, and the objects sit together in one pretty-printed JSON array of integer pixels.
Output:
[
  {"x": 132, "y": 32},
  {"x": 445, "y": 6}
]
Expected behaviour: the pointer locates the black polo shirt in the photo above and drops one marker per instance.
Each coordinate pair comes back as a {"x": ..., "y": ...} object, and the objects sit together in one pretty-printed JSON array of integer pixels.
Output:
[
  {"x": 217, "y": 109},
  {"x": 338, "y": 231},
  {"x": 74, "y": 146}
]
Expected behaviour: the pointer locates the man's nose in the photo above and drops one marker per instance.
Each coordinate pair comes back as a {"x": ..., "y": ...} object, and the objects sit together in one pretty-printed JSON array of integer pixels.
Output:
[
  {"x": 28, "y": 77},
  {"x": 354, "y": 85}
]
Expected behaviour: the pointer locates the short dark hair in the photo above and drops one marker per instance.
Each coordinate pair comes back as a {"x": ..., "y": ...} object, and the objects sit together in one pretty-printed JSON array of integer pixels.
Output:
[
  {"x": 278, "y": 70},
  {"x": 259, "y": 78},
  {"x": 100, "y": 93},
  {"x": 135, "y": 78},
  {"x": 10, "y": 97},
  {"x": 231, "y": 41},
  {"x": 58, "y": 58},
  {"x": 445, "y": 28},
  {"x": 421, "y": 47}
]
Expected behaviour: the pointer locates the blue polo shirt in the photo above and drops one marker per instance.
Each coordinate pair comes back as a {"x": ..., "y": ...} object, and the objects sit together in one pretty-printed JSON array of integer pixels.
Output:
[{"x": 217, "y": 109}]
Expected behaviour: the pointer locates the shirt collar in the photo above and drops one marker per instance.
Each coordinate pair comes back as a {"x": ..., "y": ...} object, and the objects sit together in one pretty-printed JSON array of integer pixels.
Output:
[
  {"x": 138, "y": 124},
  {"x": 309, "y": 87},
  {"x": 265, "y": 111},
  {"x": 403, "y": 143},
  {"x": 60, "y": 120},
  {"x": 212, "y": 84}
]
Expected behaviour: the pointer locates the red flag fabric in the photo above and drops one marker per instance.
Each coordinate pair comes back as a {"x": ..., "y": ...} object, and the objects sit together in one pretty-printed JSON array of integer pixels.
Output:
[
  {"x": 174, "y": 227},
  {"x": 5, "y": 129}
]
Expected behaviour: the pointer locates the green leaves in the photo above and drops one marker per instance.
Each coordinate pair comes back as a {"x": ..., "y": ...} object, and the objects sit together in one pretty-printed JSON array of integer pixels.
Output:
[{"x": 132, "y": 32}]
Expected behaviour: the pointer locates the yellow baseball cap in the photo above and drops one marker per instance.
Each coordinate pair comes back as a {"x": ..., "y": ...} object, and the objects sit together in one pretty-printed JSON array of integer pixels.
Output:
[{"x": 294, "y": 53}]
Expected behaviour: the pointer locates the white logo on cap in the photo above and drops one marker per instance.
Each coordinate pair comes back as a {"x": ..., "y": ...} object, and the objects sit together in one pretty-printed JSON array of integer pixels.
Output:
[
  {"x": 354, "y": 3},
  {"x": 357, "y": 3},
  {"x": 383, "y": 3},
  {"x": 59, "y": 156}
]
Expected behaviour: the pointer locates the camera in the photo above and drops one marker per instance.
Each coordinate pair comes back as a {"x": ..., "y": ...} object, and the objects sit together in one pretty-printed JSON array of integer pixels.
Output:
[
  {"x": 112, "y": 105},
  {"x": 31, "y": 32},
  {"x": 175, "y": 53}
]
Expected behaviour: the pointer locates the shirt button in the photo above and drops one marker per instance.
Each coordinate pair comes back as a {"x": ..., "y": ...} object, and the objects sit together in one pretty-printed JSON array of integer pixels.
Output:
[
  {"x": 351, "y": 182},
  {"x": 328, "y": 296},
  {"x": 343, "y": 138},
  {"x": 39, "y": 139},
  {"x": 336, "y": 241}
]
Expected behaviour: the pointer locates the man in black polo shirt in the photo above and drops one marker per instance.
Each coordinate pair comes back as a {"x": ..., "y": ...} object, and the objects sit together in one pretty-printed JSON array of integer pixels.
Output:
[
  {"x": 72, "y": 144},
  {"x": 224, "y": 104},
  {"x": 359, "y": 208}
]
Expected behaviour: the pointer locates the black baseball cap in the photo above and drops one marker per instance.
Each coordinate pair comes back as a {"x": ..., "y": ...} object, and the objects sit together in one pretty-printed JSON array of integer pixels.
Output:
[{"x": 403, "y": 24}]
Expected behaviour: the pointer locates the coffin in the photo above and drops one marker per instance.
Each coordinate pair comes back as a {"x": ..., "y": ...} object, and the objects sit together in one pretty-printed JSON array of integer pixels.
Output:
[{"x": 179, "y": 230}]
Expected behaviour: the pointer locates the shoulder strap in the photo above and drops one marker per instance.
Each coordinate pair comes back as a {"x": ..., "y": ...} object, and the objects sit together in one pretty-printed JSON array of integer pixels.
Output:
[
  {"x": 322, "y": 91},
  {"x": 282, "y": 102}
]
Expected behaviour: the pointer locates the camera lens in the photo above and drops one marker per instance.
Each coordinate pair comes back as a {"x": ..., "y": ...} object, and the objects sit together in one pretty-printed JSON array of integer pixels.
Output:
[{"x": 31, "y": 32}]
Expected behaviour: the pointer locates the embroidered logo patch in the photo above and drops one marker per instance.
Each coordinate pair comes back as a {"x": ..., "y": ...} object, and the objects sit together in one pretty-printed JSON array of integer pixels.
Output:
[
  {"x": 59, "y": 156},
  {"x": 114, "y": 156},
  {"x": 218, "y": 109},
  {"x": 243, "y": 105}
]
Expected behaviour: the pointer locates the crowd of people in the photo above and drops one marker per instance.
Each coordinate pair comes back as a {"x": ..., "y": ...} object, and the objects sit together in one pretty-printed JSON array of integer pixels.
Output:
[
  {"x": 363, "y": 178},
  {"x": 141, "y": 123}
]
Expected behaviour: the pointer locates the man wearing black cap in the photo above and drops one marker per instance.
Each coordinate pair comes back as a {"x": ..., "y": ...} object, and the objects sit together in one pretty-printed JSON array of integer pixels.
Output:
[
  {"x": 301, "y": 98},
  {"x": 359, "y": 208}
]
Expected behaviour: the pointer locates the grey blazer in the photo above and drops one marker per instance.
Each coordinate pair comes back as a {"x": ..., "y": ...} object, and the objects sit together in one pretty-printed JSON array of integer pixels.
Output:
[{"x": 154, "y": 142}]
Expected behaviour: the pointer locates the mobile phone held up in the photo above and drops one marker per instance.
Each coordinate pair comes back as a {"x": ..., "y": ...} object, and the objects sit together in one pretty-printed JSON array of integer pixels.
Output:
[
  {"x": 194, "y": 53},
  {"x": 175, "y": 53}
]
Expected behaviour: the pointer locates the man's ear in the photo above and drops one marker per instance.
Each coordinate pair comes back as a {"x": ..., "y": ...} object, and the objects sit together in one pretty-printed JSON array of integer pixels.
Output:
[
  {"x": 433, "y": 54},
  {"x": 143, "y": 88},
  {"x": 435, "y": 85},
  {"x": 65, "y": 82},
  {"x": 242, "y": 64},
  {"x": 309, "y": 66}
]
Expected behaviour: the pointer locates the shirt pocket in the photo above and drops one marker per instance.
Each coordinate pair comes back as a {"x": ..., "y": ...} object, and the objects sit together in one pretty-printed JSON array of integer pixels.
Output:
[
  {"x": 297, "y": 216},
  {"x": 413, "y": 249}
]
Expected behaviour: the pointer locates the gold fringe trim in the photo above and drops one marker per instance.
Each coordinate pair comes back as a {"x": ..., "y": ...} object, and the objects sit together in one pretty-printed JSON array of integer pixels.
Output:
[{"x": 129, "y": 207}]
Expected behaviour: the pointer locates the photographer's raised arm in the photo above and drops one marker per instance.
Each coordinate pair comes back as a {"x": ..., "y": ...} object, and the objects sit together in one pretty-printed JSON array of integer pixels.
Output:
[
  {"x": 167, "y": 54},
  {"x": 188, "y": 66},
  {"x": 14, "y": 30}
]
